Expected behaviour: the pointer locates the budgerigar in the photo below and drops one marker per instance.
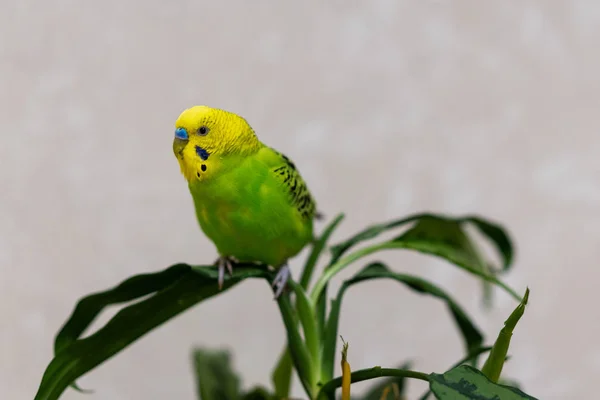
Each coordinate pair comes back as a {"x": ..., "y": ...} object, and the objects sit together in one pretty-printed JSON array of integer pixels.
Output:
[{"x": 250, "y": 200}]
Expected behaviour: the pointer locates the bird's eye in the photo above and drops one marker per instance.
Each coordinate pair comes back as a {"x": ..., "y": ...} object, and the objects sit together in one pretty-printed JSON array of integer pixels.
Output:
[
  {"x": 203, "y": 131},
  {"x": 181, "y": 133}
]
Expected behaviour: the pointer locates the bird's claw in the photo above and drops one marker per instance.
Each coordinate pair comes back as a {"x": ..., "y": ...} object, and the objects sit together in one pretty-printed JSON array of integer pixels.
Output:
[
  {"x": 280, "y": 280},
  {"x": 223, "y": 263}
]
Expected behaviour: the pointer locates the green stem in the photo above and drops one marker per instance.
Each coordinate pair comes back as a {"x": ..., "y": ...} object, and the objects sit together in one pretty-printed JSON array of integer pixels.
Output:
[
  {"x": 317, "y": 250},
  {"x": 298, "y": 349},
  {"x": 329, "y": 388},
  {"x": 311, "y": 331},
  {"x": 344, "y": 262}
]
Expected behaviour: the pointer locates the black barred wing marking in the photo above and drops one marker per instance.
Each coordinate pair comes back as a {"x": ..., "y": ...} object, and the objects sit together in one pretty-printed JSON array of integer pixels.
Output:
[{"x": 299, "y": 194}]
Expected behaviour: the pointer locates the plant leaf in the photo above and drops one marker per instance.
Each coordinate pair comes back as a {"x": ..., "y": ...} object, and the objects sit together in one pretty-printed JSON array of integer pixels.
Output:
[
  {"x": 375, "y": 392},
  {"x": 436, "y": 235},
  {"x": 444, "y": 237},
  {"x": 471, "y": 335},
  {"x": 371, "y": 232},
  {"x": 465, "y": 382},
  {"x": 495, "y": 361},
  {"x": 215, "y": 378},
  {"x": 183, "y": 287},
  {"x": 260, "y": 393},
  {"x": 282, "y": 375},
  {"x": 498, "y": 236}
]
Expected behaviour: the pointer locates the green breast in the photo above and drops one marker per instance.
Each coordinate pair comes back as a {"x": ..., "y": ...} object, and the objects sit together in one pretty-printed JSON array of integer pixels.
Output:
[{"x": 248, "y": 214}]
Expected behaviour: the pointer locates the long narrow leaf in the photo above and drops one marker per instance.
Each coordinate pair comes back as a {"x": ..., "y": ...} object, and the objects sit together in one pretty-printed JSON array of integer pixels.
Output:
[
  {"x": 433, "y": 235},
  {"x": 495, "y": 361},
  {"x": 215, "y": 377},
  {"x": 371, "y": 232},
  {"x": 472, "y": 337},
  {"x": 89, "y": 307},
  {"x": 78, "y": 356},
  {"x": 497, "y": 236}
]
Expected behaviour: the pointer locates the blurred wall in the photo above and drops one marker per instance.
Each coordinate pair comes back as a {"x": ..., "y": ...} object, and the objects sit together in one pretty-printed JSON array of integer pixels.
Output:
[{"x": 389, "y": 107}]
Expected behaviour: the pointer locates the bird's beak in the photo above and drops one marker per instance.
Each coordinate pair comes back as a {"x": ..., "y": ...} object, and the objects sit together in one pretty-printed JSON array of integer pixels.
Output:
[{"x": 178, "y": 146}]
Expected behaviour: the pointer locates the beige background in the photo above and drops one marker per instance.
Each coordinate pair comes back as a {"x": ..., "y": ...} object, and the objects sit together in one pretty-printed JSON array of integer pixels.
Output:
[{"x": 389, "y": 107}]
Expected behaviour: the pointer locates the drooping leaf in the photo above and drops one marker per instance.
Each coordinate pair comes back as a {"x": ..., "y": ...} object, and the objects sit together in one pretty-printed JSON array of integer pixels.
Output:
[
  {"x": 446, "y": 238},
  {"x": 89, "y": 307},
  {"x": 472, "y": 337},
  {"x": 495, "y": 361},
  {"x": 466, "y": 383},
  {"x": 176, "y": 289},
  {"x": 399, "y": 381},
  {"x": 431, "y": 234},
  {"x": 493, "y": 231},
  {"x": 497, "y": 236},
  {"x": 215, "y": 378},
  {"x": 370, "y": 232}
]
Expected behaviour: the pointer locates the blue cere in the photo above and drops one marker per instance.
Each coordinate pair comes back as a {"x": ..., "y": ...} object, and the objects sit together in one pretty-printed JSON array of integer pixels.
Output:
[
  {"x": 202, "y": 153},
  {"x": 181, "y": 133}
]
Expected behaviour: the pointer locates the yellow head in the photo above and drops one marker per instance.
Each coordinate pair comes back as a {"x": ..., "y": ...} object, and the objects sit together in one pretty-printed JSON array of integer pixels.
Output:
[{"x": 204, "y": 135}]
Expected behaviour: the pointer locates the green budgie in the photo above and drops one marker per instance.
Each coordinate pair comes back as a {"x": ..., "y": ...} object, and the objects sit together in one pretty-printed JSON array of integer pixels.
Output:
[{"x": 250, "y": 200}]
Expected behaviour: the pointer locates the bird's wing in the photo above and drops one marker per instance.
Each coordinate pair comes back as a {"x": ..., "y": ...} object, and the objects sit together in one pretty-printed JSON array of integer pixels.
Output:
[{"x": 286, "y": 172}]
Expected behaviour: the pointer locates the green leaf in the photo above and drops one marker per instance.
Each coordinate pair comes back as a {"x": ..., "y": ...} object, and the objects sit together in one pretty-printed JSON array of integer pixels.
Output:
[
  {"x": 498, "y": 236},
  {"x": 445, "y": 237},
  {"x": 470, "y": 334},
  {"x": 465, "y": 382},
  {"x": 431, "y": 234},
  {"x": 371, "y": 232},
  {"x": 493, "y": 365},
  {"x": 260, "y": 393},
  {"x": 89, "y": 307},
  {"x": 215, "y": 377},
  {"x": 442, "y": 237},
  {"x": 469, "y": 357},
  {"x": 176, "y": 289},
  {"x": 282, "y": 375},
  {"x": 400, "y": 381}
]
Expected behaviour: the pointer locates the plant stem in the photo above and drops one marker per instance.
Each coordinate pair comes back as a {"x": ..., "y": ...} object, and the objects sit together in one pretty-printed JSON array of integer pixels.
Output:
[
  {"x": 298, "y": 349},
  {"x": 317, "y": 250},
  {"x": 329, "y": 388},
  {"x": 311, "y": 331}
]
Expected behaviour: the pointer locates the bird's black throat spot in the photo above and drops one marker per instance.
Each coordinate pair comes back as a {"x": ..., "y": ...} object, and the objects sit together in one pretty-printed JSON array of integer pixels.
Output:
[
  {"x": 203, "y": 167},
  {"x": 202, "y": 153},
  {"x": 198, "y": 174}
]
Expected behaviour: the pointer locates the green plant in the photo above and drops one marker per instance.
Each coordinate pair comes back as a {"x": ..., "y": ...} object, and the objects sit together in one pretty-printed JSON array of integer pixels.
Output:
[{"x": 311, "y": 323}]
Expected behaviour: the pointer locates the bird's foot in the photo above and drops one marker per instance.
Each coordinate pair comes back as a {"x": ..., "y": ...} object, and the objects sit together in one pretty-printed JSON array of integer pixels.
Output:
[
  {"x": 281, "y": 279},
  {"x": 224, "y": 262}
]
